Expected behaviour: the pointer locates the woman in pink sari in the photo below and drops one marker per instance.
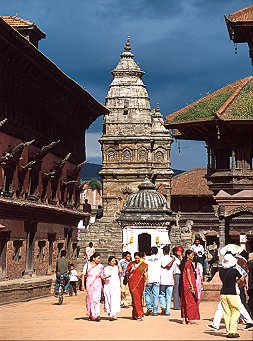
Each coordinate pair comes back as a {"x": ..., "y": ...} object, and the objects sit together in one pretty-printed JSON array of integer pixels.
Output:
[
  {"x": 199, "y": 277},
  {"x": 93, "y": 272}
]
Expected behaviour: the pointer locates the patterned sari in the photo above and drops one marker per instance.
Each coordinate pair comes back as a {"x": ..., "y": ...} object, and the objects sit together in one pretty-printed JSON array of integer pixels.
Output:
[
  {"x": 136, "y": 286},
  {"x": 93, "y": 288}
]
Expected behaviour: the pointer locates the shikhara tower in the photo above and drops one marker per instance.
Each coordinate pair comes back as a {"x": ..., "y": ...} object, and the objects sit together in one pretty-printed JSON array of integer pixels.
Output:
[{"x": 135, "y": 142}]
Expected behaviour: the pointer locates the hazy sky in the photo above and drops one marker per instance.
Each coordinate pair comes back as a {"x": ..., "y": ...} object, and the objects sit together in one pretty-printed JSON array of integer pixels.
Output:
[{"x": 182, "y": 45}]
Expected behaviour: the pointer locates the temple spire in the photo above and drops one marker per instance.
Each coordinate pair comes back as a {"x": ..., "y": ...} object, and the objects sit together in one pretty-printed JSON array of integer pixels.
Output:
[
  {"x": 157, "y": 108},
  {"x": 127, "y": 47}
]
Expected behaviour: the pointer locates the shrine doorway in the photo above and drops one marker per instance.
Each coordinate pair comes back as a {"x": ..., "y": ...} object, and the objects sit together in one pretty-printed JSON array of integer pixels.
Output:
[
  {"x": 239, "y": 230},
  {"x": 144, "y": 243}
]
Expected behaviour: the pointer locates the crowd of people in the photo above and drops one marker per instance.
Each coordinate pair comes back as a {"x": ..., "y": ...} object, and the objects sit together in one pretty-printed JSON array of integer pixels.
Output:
[{"x": 149, "y": 279}]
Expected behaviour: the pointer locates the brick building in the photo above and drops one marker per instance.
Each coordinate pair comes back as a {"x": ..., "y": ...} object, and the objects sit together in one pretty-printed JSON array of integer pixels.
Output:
[{"x": 43, "y": 116}]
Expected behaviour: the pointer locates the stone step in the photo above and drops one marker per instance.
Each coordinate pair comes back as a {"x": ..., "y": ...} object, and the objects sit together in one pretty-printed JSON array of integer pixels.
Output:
[{"x": 106, "y": 236}]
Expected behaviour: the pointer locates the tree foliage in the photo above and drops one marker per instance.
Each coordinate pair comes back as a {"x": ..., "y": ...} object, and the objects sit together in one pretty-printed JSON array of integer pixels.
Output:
[{"x": 95, "y": 184}]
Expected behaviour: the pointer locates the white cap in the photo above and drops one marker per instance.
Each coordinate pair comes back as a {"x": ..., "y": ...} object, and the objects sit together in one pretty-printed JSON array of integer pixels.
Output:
[{"x": 229, "y": 261}]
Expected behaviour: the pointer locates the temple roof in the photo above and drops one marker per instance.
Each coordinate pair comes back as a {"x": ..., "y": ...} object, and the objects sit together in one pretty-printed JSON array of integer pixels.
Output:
[
  {"x": 190, "y": 183},
  {"x": 146, "y": 207},
  {"x": 127, "y": 98},
  {"x": 127, "y": 64},
  {"x": 90, "y": 108},
  {"x": 243, "y": 15},
  {"x": 21, "y": 24},
  {"x": 230, "y": 103}
]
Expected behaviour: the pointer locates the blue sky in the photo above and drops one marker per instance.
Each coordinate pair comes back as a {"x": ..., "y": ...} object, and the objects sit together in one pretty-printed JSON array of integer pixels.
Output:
[{"x": 182, "y": 45}]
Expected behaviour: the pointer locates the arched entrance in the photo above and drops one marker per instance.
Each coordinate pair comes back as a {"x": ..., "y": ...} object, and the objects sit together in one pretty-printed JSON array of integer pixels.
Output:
[
  {"x": 144, "y": 242},
  {"x": 239, "y": 229}
]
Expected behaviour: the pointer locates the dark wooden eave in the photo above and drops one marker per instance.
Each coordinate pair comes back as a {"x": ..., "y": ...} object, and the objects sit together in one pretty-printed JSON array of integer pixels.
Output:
[
  {"x": 241, "y": 29},
  {"x": 93, "y": 108},
  {"x": 28, "y": 211}
]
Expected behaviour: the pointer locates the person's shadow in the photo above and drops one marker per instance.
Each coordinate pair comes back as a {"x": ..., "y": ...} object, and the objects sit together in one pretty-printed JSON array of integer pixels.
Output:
[
  {"x": 176, "y": 321},
  {"x": 84, "y": 318},
  {"x": 215, "y": 334}
]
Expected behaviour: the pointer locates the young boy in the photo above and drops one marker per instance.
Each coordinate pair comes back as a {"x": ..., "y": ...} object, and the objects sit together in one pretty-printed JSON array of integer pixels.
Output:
[{"x": 73, "y": 277}]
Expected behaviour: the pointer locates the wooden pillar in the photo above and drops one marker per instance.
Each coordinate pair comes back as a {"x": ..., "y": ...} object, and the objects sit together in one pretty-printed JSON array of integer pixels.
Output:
[
  {"x": 222, "y": 227},
  {"x": 212, "y": 152},
  {"x": 208, "y": 160},
  {"x": 233, "y": 160}
]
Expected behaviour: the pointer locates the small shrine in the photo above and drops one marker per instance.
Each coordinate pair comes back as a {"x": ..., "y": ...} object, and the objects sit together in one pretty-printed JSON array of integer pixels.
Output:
[{"x": 145, "y": 219}]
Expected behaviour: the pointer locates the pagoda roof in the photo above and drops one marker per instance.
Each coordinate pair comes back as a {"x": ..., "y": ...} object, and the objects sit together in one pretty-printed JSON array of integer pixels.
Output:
[
  {"x": 243, "y": 15},
  {"x": 233, "y": 102},
  {"x": 190, "y": 183},
  {"x": 22, "y": 24}
]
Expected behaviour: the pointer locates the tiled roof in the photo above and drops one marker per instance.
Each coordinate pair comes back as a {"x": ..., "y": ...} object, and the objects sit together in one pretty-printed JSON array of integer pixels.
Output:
[
  {"x": 16, "y": 22},
  {"x": 232, "y": 102},
  {"x": 19, "y": 23},
  {"x": 243, "y": 15},
  {"x": 190, "y": 183}
]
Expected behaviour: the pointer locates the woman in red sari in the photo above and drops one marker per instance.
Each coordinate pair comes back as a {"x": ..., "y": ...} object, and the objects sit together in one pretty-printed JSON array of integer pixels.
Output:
[
  {"x": 188, "y": 290},
  {"x": 137, "y": 274}
]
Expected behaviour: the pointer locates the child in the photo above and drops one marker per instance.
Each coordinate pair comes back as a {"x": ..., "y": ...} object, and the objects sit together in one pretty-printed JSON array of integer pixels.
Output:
[{"x": 73, "y": 278}]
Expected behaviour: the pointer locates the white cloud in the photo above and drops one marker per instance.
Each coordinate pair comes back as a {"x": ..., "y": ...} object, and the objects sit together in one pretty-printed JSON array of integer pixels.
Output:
[{"x": 93, "y": 148}]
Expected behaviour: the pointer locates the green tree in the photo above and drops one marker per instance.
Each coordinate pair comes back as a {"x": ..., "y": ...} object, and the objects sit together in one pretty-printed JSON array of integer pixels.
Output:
[{"x": 95, "y": 184}]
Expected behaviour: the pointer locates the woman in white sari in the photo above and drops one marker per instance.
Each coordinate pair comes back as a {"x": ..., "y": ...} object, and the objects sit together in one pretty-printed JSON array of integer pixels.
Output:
[{"x": 112, "y": 288}]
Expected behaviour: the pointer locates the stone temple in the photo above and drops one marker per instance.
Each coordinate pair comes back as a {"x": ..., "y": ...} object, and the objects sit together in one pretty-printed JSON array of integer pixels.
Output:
[{"x": 135, "y": 144}]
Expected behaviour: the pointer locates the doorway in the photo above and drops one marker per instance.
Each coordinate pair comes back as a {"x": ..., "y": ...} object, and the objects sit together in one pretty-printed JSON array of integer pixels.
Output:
[{"x": 144, "y": 243}]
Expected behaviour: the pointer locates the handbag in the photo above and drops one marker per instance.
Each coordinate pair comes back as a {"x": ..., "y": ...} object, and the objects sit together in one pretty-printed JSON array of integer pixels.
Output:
[
  {"x": 125, "y": 279},
  {"x": 85, "y": 276},
  {"x": 195, "y": 297}
]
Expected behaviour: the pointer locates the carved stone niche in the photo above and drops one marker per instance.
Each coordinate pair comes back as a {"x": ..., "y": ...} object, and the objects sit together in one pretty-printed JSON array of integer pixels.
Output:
[
  {"x": 126, "y": 155},
  {"x": 111, "y": 155},
  {"x": 159, "y": 156},
  {"x": 142, "y": 154}
]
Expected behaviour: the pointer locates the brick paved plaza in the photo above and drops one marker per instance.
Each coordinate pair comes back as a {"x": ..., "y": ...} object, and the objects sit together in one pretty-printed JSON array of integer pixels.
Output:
[{"x": 43, "y": 319}]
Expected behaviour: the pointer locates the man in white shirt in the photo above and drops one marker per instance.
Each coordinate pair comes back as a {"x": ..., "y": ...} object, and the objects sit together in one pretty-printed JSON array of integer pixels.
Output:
[
  {"x": 153, "y": 286},
  {"x": 89, "y": 251},
  {"x": 199, "y": 250},
  {"x": 168, "y": 269}
]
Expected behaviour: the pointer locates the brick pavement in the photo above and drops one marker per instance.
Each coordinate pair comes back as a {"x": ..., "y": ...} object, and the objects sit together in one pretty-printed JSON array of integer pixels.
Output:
[{"x": 43, "y": 319}]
